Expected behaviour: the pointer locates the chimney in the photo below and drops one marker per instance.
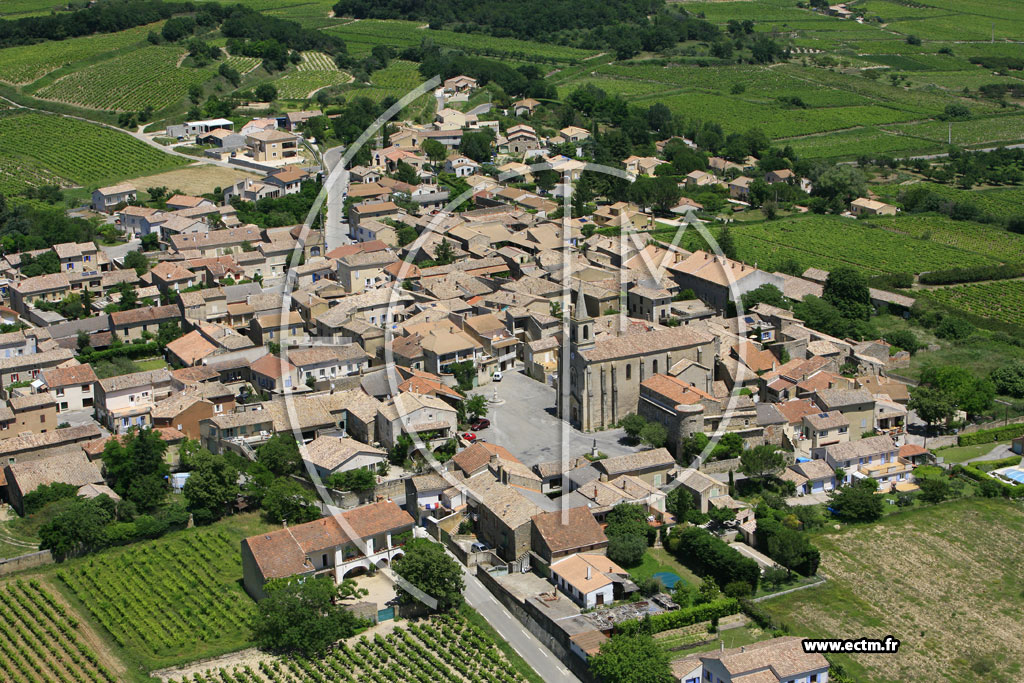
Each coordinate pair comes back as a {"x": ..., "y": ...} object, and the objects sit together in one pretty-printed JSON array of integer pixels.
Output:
[
  {"x": 603, "y": 477},
  {"x": 588, "y": 572}
]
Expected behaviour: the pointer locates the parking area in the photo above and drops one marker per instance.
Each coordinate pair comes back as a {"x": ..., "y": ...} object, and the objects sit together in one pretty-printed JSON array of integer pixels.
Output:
[
  {"x": 77, "y": 418},
  {"x": 525, "y": 423}
]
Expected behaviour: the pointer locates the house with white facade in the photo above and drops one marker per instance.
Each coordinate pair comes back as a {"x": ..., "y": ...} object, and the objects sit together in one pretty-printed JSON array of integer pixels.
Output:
[{"x": 588, "y": 579}]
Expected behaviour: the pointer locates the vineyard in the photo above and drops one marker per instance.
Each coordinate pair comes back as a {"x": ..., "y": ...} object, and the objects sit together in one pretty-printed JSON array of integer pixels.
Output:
[
  {"x": 170, "y": 597},
  {"x": 47, "y": 147},
  {"x": 145, "y": 77},
  {"x": 363, "y": 35},
  {"x": 316, "y": 71},
  {"x": 828, "y": 241},
  {"x": 1003, "y": 300},
  {"x": 978, "y": 238},
  {"x": 242, "y": 65},
  {"x": 27, "y": 63},
  {"x": 444, "y": 648},
  {"x": 41, "y": 640},
  {"x": 395, "y": 80}
]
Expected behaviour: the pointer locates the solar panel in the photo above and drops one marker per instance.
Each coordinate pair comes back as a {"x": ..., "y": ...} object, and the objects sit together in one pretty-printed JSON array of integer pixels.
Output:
[{"x": 748, "y": 319}]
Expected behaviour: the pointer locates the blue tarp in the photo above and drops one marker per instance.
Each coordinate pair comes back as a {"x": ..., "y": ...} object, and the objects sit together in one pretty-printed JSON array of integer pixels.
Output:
[{"x": 668, "y": 579}]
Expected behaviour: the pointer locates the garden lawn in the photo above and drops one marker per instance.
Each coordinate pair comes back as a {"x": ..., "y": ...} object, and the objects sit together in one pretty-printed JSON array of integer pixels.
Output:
[
  {"x": 660, "y": 560},
  {"x": 945, "y": 580},
  {"x": 958, "y": 454}
]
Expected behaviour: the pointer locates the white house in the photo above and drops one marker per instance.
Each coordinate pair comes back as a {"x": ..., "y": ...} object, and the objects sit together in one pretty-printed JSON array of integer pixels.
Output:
[{"x": 588, "y": 579}]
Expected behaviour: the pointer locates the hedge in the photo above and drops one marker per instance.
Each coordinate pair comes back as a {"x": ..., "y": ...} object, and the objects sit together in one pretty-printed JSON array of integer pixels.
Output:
[
  {"x": 133, "y": 351},
  {"x": 989, "y": 465},
  {"x": 953, "y": 276},
  {"x": 666, "y": 621},
  {"x": 705, "y": 553},
  {"x": 1009, "y": 490},
  {"x": 1004, "y": 433}
]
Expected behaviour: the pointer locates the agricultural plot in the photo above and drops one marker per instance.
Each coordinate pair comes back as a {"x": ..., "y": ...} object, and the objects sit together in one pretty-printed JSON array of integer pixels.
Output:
[
  {"x": 849, "y": 143},
  {"x": 955, "y": 607},
  {"x": 444, "y": 648},
  {"x": 976, "y": 238},
  {"x": 39, "y": 143},
  {"x": 316, "y": 71},
  {"x": 817, "y": 239},
  {"x": 41, "y": 638},
  {"x": 27, "y": 63},
  {"x": 1001, "y": 202},
  {"x": 395, "y": 80},
  {"x": 149, "y": 76},
  {"x": 361, "y": 36},
  {"x": 992, "y": 130},
  {"x": 1002, "y": 300},
  {"x": 241, "y": 64},
  {"x": 169, "y": 597}
]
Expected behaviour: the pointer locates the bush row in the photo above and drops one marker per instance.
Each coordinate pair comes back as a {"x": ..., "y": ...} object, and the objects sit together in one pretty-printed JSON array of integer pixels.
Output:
[
  {"x": 991, "y": 435},
  {"x": 132, "y": 351},
  {"x": 705, "y": 553},
  {"x": 952, "y": 276},
  {"x": 989, "y": 465},
  {"x": 666, "y": 621}
]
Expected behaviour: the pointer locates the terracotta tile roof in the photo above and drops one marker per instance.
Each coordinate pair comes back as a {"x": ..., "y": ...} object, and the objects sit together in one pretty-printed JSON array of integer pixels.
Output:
[
  {"x": 135, "y": 379},
  {"x": 271, "y": 366},
  {"x": 579, "y": 529},
  {"x": 330, "y": 452},
  {"x": 641, "y": 344},
  {"x": 191, "y": 347},
  {"x": 478, "y": 455},
  {"x": 676, "y": 390},
  {"x": 794, "y": 411},
  {"x": 148, "y": 314},
  {"x": 74, "y": 469},
  {"x": 283, "y": 553},
  {"x": 635, "y": 462},
  {"x": 31, "y": 402},
  {"x": 74, "y": 374},
  {"x": 587, "y": 572}
]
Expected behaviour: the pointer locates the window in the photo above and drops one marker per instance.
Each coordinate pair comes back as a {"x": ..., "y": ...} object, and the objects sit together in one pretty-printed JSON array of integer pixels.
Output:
[
  {"x": 654, "y": 367},
  {"x": 218, "y": 408},
  {"x": 86, "y": 387},
  {"x": 14, "y": 377},
  {"x": 629, "y": 370},
  {"x": 60, "y": 391}
]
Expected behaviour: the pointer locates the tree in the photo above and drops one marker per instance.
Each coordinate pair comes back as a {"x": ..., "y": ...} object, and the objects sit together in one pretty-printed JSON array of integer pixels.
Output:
[
  {"x": 444, "y": 253},
  {"x": 679, "y": 502},
  {"x": 211, "y": 487},
  {"x": 847, "y": 290},
  {"x": 476, "y": 406},
  {"x": 303, "y": 616},
  {"x": 44, "y": 494},
  {"x": 857, "y": 503},
  {"x": 654, "y": 435},
  {"x": 765, "y": 294},
  {"x": 627, "y": 550},
  {"x": 1009, "y": 379},
  {"x": 357, "y": 480},
  {"x": 429, "y": 568},
  {"x": 434, "y": 150},
  {"x": 904, "y": 339},
  {"x": 280, "y": 454},
  {"x": 136, "y": 468},
  {"x": 265, "y": 92},
  {"x": 726, "y": 243},
  {"x": 406, "y": 173},
  {"x": 843, "y": 182},
  {"x": 787, "y": 547},
  {"x": 135, "y": 259},
  {"x": 288, "y": 501},
  {"x": 633, "y": 424},
  {"x": 721, "y": 515},
  {"x": 78, "y": 527},
  {"x": 933, "y": 489},
  {"x": 631, "y": 659},
  {"x": 477, "y": 146},
  {"x": 762, "y": 461}
]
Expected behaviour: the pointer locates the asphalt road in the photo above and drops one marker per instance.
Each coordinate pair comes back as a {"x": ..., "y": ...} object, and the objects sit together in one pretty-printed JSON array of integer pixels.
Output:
[
  {"x": 337, "y": 225},
  {"x": 508, "y": 627},
  {"x": 525, "y": 423}
]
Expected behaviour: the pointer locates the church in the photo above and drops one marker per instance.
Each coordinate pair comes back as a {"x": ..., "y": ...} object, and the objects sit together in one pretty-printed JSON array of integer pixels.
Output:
[{"x": 606, "y": 367}]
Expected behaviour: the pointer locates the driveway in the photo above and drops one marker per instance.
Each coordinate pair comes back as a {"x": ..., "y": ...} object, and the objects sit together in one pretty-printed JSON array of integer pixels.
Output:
[
  {"x": 77, "y": 418},
  {"x": 808, "y": 499},
  {"x": 525, "y": 423}
]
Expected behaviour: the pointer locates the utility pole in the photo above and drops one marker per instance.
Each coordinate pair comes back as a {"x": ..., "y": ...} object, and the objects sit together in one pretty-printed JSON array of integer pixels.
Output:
[{"x": 949, "y": 139}]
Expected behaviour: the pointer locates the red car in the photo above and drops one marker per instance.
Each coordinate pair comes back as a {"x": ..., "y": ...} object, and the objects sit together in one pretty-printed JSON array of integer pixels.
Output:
[
  {"x": 469, "y": 436},
  {"x": 481, "y": 424}
]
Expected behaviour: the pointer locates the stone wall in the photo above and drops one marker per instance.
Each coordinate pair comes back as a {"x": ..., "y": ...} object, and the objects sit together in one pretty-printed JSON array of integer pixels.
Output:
[{"x": 22, "y": 562}]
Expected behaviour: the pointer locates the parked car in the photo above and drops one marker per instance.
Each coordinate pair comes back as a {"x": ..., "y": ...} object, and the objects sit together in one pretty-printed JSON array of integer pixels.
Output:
[
  {"x": 479, "y": 547},
  {"x": 481, "y": 424},
  {"x": 469, "y": 436},
  {"x": 496, "y": 376}
]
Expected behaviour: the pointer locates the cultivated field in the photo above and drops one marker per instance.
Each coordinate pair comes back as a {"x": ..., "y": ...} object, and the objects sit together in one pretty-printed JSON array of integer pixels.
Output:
[
  {"x": 193, "y": 180},
  {"x": 27, "y": 63},
  {"x": 443, "y": 648},
  {"x": 944, "y": 580},
  {"x": 976, "y": 238},
  {"x": 1001, "y": 300},
  {"x": 361, "y": 36},
  {"x": 164, "y": 600},
  {"x": 316, "y": 71},
  {"x": 40, "y": 637},
  {"x": 145, "y": 77},
  {"x": 828, "y": 241},
  {"x": 39, "y": 144}
]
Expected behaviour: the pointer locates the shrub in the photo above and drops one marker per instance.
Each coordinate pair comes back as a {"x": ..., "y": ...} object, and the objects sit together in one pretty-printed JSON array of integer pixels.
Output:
[
  {"x": 666, "y": 621},
  {"x": 708, "y": 554},
  {"x": 1004, "y": 433}
]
